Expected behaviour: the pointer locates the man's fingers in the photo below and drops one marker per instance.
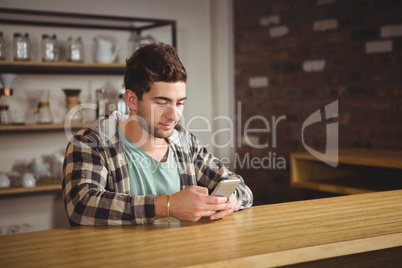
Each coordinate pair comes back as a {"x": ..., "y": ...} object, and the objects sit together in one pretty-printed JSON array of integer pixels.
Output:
[
  {"x": 216, "y": 200},
  {"x": 219, "y": 215},
  {"x": 200, "y": 189},
  {"x": 224, "y": 206}
]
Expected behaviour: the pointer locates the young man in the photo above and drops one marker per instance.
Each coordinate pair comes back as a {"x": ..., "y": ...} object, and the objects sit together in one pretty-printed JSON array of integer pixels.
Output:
[{"x": 134, "y": 169}]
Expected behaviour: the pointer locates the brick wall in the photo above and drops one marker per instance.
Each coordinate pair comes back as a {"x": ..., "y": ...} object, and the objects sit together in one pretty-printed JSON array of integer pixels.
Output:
[{"x": 293, "y": 57}]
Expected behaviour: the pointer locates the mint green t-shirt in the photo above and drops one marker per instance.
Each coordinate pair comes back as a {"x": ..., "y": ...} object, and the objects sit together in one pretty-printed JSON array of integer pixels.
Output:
[{"x": 148, "y": 176}]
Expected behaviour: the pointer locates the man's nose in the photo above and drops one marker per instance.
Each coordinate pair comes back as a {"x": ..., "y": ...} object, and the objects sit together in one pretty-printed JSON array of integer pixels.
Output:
[{"x": 172, "y": 113}]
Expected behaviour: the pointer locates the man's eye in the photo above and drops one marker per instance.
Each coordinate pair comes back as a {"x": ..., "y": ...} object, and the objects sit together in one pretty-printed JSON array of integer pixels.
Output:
[
  {"x": 180, "y": 104},
  {"x": 161, "y": 103}
]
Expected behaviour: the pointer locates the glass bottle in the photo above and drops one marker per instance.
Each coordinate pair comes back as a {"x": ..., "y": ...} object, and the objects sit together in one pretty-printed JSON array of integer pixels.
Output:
[
  {"x": 106, "y": 100},
  {"x": 75, "y": 49},
  {"x": 121, "y": 103},
  {"x": 50, "y": 49},
  {"x": 22, "y": 47},
  {"x": 102, "y": 101},
  {"x": 2, "y": 47},
  {"x": 131, "y": 43}
]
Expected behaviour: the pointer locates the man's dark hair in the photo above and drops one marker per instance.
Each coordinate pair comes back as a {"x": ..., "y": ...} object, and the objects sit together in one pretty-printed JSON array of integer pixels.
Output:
[{"x": 151, "y": 63}]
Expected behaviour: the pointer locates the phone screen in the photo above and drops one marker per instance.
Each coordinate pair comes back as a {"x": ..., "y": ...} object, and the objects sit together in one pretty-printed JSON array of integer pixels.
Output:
[{"x": 226, "y": 187}]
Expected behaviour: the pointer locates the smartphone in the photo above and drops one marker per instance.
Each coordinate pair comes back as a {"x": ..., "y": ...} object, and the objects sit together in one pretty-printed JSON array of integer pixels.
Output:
[{"x": 226, "y": 187}]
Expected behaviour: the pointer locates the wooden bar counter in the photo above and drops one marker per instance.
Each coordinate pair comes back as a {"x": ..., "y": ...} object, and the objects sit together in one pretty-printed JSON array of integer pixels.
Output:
[{"x": 337, "y": 230}]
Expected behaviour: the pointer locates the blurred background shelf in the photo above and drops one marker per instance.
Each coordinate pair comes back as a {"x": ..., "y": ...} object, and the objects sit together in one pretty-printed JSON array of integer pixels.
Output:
[
  {"x": 40, "y": 188},
  {"x": 359, "y": 171},
  {"x": 37, "y": 127},
  {"x": 61, "y": 68}
]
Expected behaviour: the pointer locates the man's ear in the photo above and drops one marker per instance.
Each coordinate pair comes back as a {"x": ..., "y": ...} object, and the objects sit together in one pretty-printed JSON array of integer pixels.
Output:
[{"x": 131, "y": 99}]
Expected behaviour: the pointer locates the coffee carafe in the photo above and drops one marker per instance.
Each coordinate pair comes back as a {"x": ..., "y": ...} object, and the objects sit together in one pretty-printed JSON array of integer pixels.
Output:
[
  {"x": 72, "y": 100},
  {"x": 6, "y": 91},
  {"x": 44, "y": 114},
  {"x": 6, "y": 80}
]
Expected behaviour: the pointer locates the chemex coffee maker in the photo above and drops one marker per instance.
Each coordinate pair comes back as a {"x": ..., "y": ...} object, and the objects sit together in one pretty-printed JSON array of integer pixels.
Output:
[
  {"x": 44, "y": 114},
  {"x": 7, "y": 80}
]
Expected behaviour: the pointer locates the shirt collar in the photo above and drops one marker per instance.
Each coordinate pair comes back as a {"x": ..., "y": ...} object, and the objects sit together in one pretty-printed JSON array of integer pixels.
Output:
[{"x": 106, "y": 127}]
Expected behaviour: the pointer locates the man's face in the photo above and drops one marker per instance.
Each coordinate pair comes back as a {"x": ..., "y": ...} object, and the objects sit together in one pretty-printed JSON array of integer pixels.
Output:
[{"x": 161, "y": 108}]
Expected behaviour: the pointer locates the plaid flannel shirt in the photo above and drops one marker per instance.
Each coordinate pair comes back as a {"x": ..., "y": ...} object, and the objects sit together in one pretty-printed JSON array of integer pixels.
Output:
[{"x": 96, "y": 186}]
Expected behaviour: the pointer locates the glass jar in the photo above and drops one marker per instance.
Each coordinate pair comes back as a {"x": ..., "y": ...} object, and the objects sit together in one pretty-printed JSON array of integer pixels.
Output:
[
  {"x": 75, "y": 49},
  {"x": 2, "y": 47},
  {"x": 22, "y": 47},
  {"x": 142, "y": 40},
  {"x": 50, "y": 49}
]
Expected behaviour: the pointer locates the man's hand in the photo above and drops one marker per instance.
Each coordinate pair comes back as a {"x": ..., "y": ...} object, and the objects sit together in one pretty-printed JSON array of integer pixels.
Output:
[
  {"x": 220, "y": 214},
  {"x": 194, "y": 202}
]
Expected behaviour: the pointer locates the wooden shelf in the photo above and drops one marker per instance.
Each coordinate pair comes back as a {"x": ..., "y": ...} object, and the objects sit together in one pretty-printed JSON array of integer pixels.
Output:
[
  {"x": 11, "y": 16},
  {"x": 60, "y": 68},
  {"x": 37, "y": 127},
  {"x": 39, "y": 188},
  {"x": 359, "y": 171}
]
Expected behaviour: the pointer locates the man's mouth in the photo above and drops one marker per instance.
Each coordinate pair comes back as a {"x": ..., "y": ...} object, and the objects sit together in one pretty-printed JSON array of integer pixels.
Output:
[{"x": 167, "y": 126}]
